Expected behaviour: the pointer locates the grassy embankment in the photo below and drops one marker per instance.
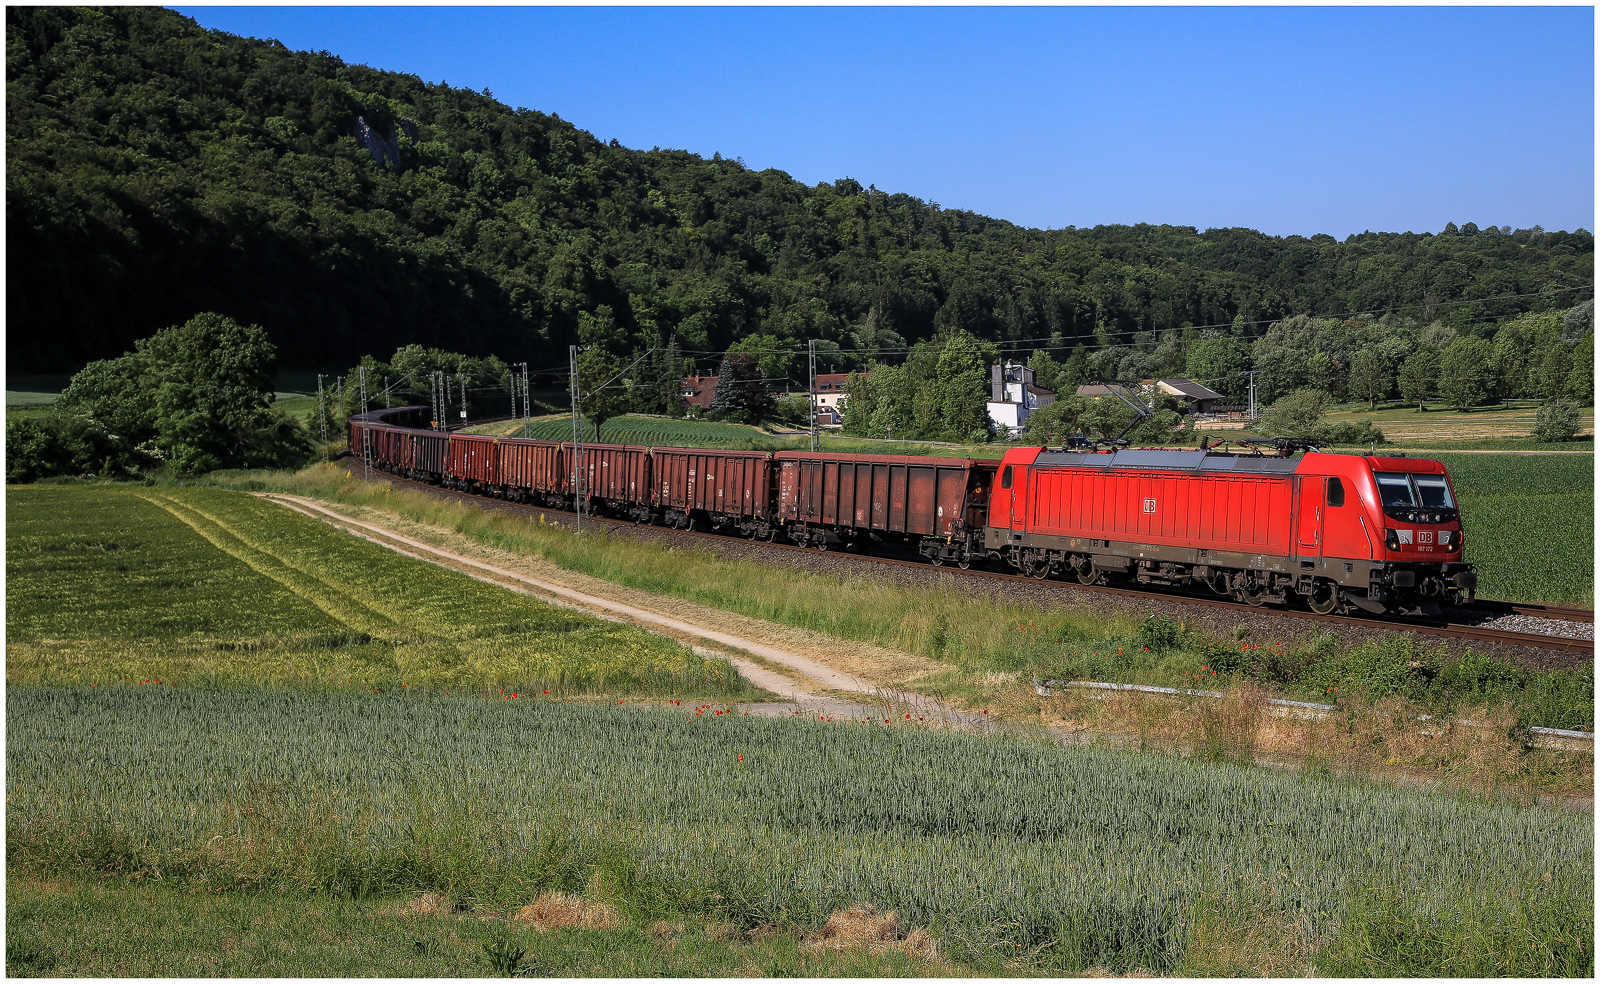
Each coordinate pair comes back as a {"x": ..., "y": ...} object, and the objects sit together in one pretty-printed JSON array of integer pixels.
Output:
[
  {"x": 642, "y": 827},
  {"x": 990, "y": 651}
]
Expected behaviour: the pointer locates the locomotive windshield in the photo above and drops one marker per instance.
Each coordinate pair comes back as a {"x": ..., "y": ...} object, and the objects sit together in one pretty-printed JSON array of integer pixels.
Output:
[{"x": 1404, "y": 489}]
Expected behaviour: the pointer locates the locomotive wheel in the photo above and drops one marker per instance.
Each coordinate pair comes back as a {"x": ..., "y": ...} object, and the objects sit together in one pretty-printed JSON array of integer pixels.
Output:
[
  {"x": 1089, "y": 575},
  {"x": 1252, "y": 598},
  {"x": 1324, "y": 599}
]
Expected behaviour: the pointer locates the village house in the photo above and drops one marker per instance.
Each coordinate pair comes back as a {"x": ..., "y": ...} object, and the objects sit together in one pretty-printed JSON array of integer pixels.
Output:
[{"x": 1012, "y": 396}]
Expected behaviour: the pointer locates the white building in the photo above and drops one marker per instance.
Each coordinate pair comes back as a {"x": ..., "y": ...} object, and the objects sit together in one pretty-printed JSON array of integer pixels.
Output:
[{"x": 1012, "y": 396}]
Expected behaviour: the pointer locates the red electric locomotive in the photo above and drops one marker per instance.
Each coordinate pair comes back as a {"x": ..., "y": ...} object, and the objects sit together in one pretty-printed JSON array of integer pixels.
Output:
[{"x": 1336, "y": 531}]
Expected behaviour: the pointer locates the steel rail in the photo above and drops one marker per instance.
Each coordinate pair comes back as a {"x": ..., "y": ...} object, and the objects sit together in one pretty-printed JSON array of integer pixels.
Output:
[{"x": 1419, "y": 626}]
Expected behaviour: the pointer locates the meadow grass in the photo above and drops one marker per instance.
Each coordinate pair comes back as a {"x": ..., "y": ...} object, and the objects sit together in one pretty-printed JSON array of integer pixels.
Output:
[
  {"x": 188, "y": 585},
  {"x": 82, "y": 924},
  {"x": 1003, "y": 850}
]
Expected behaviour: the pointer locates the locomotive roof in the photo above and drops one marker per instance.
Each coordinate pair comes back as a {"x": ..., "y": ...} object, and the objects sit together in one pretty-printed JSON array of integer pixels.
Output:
[{"x": 1158, "y": 460}]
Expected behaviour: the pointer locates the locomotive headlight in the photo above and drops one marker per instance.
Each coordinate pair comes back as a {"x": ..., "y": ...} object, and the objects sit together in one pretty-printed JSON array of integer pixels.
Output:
[{"x": 1394, "y": 540}]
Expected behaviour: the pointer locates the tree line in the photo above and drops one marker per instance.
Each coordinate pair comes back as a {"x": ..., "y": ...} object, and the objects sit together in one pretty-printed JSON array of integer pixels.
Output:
[
  {"x": 191, "y": 398},
  {"x": 156, "y": 169}
]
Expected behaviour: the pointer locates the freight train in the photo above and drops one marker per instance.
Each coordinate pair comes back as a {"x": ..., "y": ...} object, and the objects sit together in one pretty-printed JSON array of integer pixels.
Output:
[{"x": 1335, "y": 533}]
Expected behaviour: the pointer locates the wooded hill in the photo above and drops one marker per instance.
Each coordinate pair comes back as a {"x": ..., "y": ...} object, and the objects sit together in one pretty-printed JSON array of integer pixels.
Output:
[{"x": 156, "y": 170}]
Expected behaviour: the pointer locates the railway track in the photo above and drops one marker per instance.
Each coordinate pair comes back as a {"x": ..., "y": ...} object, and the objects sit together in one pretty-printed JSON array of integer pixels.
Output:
[{"x": 1443, "y": 628}]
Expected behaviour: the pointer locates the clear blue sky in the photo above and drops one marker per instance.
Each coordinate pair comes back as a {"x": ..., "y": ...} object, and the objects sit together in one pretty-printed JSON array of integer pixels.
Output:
[{"x": 1287, "y": 120}]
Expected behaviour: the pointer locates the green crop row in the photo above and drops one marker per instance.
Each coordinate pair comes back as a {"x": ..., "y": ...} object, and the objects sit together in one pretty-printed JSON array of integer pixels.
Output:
[
  {"x": 633, "y": 429},
  {"x": 1529, "y": 524},
  {"x": 665, "y": 432},
  {"x": 1071, "y": 857},
  {"x": 203, "y": 584}
]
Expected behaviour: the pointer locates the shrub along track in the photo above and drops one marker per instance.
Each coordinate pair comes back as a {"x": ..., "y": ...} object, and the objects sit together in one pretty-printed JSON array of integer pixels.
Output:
[{"x": 1539, "y": 650}]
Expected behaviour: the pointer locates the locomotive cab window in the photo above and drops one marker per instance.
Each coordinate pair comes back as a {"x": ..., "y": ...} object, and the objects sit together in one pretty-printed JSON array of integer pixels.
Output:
[
  {"x": 1434, "y": 491},
  {"x": 1397, "y": 489},
  {"x": 1335, "y": 492},
  {"x": 1005, "y": 477}
]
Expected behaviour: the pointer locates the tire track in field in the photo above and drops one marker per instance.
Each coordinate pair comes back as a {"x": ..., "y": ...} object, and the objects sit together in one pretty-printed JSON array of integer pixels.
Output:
[
  {"x": 328, "y": 597},
  {"x": 812, "y": 695}
]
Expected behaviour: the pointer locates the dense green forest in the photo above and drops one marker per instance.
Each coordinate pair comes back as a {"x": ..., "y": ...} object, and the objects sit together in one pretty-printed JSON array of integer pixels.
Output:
[{"x": 156, "y": 170}]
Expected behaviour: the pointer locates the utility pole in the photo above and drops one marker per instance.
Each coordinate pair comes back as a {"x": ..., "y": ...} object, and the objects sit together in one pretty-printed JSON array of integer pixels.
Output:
[
  {"x": 1251, "y": 413},
  {"x": 577, "y": 442},
  {"x": 811, "y": 396},
  {"x": 527, "y": 405},
  {"x": 366, "y": 456},
  {"x": 322, "y": 417}
]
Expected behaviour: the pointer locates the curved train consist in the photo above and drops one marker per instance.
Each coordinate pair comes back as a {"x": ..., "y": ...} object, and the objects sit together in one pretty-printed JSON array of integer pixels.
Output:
[{"x": 1334, "y": 532}]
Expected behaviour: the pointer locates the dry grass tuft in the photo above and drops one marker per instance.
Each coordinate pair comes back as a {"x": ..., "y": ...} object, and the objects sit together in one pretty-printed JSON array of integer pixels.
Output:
[
  {"x": 558, "y": 910},
  {"x": 1381, "y": 740},
  {"x": 862, "y": 927}
]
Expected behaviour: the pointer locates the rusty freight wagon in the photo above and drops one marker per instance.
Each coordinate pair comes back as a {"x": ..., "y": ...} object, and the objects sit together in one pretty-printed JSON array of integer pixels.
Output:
[
  {"x": 422, "y": 457},
  {"x": 472, "y": 462},
  {"x": 937, "y": 503},
  {"x": 616, "y": 477},
  {"x": 533, "y": 471},
  {"x": 722, "y": 488}
]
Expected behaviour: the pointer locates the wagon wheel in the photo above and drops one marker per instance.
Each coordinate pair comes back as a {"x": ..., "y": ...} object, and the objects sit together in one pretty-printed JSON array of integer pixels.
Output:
[
  {"x": 1324, "y": 598},
  {"x": 938, "y": 561},
  {"x": 822, "y": 544},
  {"x": 964, "y": 563}
]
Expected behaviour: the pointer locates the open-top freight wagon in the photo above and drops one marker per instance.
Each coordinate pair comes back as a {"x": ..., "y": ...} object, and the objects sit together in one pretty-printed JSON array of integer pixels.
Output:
[{"x": 838, "y": 499}]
